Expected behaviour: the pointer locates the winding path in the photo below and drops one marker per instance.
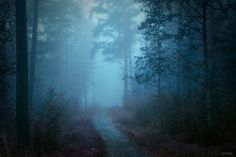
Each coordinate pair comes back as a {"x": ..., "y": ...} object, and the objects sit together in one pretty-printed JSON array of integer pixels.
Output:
[{"x": 117, "y": 144}]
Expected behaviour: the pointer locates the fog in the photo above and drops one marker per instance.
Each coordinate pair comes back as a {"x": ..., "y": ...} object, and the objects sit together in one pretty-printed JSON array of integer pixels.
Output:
[
  {"x": 94, "y": 77},
  {"x": 108, "y": 83},
  {"x": 88, "y": 58}
]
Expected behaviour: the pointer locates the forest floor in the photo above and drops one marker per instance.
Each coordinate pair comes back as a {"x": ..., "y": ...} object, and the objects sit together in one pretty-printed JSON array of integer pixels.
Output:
[
  {"x": 79, "y": 139},
  {"x": 156, "y": 146},
  {"x": 82, "y": 139},
  {"x": 114, "y": 133}
]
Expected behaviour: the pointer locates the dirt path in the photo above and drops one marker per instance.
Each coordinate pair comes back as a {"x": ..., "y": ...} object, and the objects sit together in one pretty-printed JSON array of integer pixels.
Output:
[
  {"x": 117, "y": 144},
  {"x": 82, "y": 140}
]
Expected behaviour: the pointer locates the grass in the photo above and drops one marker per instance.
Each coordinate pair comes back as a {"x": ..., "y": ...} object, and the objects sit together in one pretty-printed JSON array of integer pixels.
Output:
[{"x": 156, "y": 145}]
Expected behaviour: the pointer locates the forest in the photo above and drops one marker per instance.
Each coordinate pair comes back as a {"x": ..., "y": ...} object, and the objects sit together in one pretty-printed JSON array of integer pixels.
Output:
[{"x": 117, "y": 78}]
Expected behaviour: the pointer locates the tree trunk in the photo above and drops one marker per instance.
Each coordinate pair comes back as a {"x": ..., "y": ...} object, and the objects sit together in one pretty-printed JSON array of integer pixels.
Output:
[
  {"x": 3, "y": 105},
  {"x": 159, "y": 48},
  {"x": 33, "y": 52},
  {"x": 206, "y": 66},
  {"x": 3, "y": 89},
  {"x": 22, "y": 115},
  {"x": 126, "y": 78},
  {"x": 127, "y": 44},
  {"x": 179, "y": 51},
  {"x": 159, "y": 89}
]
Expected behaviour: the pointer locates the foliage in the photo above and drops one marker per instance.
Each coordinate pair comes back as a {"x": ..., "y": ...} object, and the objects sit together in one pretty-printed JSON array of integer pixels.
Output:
[
  {"x": 174, "y": 62},
  {"x": 114, "y": 32}
]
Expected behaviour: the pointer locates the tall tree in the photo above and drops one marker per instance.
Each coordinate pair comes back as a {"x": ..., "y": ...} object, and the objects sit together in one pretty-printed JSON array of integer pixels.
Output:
[
  {"x": 206, "y": 65},
  {"x": 7, "y": 68},
  {"x": 22, "y": 115},
  {"x": 201, "y": 48},
  {"x": 118, "y": 29},
  {"x": 154, "y": 57},
  {"x": 33, "y": 51}
]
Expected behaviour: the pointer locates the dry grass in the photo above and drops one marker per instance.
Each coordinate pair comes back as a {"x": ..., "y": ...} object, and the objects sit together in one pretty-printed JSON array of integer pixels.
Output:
[{"x": 156, "y": 145}]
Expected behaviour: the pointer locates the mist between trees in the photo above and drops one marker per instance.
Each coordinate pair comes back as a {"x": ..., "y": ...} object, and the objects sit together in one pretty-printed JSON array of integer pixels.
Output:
[{"x": 168, "y": 64}]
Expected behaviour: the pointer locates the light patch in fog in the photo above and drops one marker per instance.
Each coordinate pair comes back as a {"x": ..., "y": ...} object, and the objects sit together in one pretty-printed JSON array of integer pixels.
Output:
[{"x": 108, "y": 83}]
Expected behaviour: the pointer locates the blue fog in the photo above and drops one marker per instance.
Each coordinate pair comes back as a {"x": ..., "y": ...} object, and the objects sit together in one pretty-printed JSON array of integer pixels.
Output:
[{"x": 108, "y": 82}]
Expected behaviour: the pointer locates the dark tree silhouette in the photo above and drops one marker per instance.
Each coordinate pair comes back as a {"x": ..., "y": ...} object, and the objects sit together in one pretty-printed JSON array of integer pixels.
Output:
[{"x": 22, "y": 115}]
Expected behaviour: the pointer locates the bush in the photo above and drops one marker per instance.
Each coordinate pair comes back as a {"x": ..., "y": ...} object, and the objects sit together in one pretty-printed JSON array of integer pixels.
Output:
[{"x": 47, "y": 124}]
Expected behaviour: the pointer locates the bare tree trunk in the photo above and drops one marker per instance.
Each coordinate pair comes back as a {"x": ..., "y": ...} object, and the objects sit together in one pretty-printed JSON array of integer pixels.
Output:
[
  {"x": 127, "y": 43},
  {"x": 33, "y": 52},
  {"x": 65, "y": 88},
  {"x": 94, "y": 93},
  {"x": 179, "y": 51},
  {"x": 159, "y": 89},
  {"x": 206, "y": 66},
  {"x": 3, "y": 91},
  {"x": 22, "y": 115},
  {"x": 126, "y": 78},
  {"x": 159, "y": 73},
  {"x": 130, "y": 82},
  {"x": 3, "y": 107}
]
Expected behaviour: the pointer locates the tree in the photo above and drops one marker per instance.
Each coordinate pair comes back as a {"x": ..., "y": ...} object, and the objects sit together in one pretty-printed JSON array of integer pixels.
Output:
[
  {"x": 64, "y": 30},
  {"x": 119, "y": 34},
  {"x": 22, "y": 115},
  {"x": 154, "y": 57},
  {"x": 7, "y": 69},
  {"x": 33, "y": 51},
  {"x": 196, "y": 54}
]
